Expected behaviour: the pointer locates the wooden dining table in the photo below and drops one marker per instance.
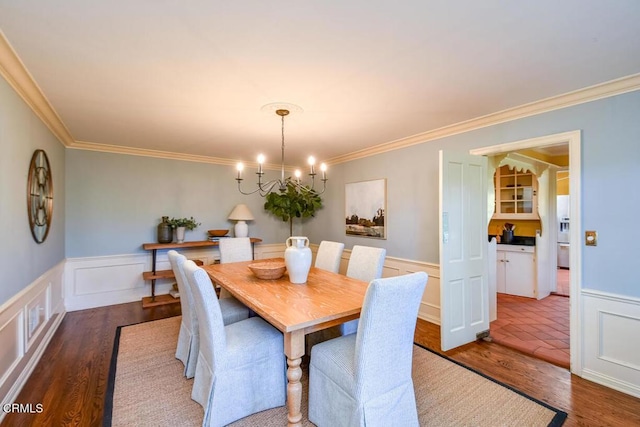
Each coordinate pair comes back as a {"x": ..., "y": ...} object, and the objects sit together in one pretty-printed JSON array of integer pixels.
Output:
[{"x": 326, "y": 299}]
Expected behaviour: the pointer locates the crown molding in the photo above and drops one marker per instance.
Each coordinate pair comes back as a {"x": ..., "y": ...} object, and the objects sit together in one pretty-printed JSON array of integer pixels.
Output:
[
  {"x": 132, "y": 151},
  {"x": 170, "y": 155},
  {"x": 19, "y": 78},
  {"x": 580, "y": 96}
]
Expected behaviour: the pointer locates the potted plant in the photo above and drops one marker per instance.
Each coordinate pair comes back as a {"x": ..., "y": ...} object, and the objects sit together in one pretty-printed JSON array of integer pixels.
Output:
[
  {"x": 182, "y": 224},
  {"x": 293, "y": 202}
]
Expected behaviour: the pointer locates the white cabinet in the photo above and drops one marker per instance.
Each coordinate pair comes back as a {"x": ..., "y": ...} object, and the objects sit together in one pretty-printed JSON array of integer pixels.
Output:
[
  {"x": 516, "y": 273},
  {"x": 516, "y": 194}
]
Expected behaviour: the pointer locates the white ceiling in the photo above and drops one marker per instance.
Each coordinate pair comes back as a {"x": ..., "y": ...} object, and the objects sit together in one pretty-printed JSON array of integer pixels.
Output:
[{"x": 192, "y": 76}]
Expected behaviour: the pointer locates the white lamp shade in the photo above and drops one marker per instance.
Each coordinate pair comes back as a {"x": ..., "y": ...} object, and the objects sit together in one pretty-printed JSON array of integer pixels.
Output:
[{"x": 241, "y": 213}]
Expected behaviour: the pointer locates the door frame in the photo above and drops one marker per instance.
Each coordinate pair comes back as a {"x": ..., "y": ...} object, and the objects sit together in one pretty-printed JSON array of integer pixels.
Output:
[{"x": 574, "y": 141}]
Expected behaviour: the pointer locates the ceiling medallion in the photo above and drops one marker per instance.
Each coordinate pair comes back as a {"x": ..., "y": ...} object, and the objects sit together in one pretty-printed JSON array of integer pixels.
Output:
[{"x": 39, "y": 196}]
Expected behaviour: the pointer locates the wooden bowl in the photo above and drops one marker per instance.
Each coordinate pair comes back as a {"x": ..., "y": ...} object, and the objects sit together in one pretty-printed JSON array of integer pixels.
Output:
[
  {"x": 218, "y": 233},
  {"x": 268, "y": 270}
]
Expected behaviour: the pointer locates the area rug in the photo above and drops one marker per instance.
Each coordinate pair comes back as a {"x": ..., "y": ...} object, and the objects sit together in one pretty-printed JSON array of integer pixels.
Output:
[{"x": 146, "y": 388}]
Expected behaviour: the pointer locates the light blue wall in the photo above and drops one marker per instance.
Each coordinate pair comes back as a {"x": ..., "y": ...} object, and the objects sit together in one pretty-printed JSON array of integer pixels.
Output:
[
  {"x": 115, "y": 202},
  {"x": 109, "y": 204},
  {"x": 610, "y": 180},
  {"x": 22, "y": 260}
]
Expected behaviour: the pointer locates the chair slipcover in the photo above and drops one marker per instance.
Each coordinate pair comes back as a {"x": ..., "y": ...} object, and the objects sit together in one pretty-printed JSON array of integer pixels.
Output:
[
  {"x": 365, "y": 263},
  {"x": 234, "y": 249},
  {"x": 188, "y": 337},
  {"x": 364, "y": 379},
  {"x": 329, "y": 255},
  {"x": 241, "y": 367}
]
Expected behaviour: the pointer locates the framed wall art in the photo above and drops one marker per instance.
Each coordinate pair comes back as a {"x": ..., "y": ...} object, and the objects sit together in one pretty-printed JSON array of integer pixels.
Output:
[{"x": 365, "y": 208}]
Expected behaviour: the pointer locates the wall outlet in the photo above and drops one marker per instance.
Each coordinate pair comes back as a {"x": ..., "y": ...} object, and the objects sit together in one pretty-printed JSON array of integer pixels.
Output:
[{"x": 591, "y": 238}]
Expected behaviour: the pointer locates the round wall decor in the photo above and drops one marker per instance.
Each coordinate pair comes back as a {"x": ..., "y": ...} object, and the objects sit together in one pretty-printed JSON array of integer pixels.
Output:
[{"x": 39, "y": 196}]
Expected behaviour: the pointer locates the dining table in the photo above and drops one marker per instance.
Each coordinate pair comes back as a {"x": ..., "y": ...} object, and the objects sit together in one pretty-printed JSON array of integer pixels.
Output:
[{"x": 327, "y": 299}]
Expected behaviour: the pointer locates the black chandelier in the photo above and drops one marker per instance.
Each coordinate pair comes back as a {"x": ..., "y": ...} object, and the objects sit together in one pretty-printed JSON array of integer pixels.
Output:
[{"x": 280, "y": 184}]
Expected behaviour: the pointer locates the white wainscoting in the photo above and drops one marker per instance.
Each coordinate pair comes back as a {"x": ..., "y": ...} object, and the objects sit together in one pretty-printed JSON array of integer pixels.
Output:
[
  {"x": 99, "y": 281},
  {"x": 611, "y": 353},
  {"x": 27, "y": 323}
]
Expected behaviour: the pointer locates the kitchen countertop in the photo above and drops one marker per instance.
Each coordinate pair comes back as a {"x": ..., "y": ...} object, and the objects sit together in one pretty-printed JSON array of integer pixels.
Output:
[{"x": 518, "y": 240}]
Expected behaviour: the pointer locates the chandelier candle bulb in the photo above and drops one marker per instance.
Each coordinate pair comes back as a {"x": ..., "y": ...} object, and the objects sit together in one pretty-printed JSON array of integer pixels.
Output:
[
  {"x": 239, "y": 167},
  {"x": 298, "y": 174},
  {"x": 323, "y": 168},
  {"x": 260, "y": 162},
  {"x": 312, "y": 161}
]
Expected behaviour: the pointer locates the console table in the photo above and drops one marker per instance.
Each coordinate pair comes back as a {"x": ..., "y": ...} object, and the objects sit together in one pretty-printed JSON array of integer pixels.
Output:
[{"x": 155, "y": 274}]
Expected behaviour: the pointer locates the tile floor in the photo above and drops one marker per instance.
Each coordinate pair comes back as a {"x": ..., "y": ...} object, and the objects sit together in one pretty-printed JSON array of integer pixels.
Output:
[{"x": 536, "y": 327}]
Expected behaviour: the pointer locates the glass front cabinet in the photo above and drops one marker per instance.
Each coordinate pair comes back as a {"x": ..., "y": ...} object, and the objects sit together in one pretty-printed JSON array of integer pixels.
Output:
[{"x": 516, "y": 194}]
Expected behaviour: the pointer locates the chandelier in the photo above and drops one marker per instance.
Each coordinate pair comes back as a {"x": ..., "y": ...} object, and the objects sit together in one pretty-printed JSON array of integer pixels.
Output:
[{"x": 280, "y": 184}]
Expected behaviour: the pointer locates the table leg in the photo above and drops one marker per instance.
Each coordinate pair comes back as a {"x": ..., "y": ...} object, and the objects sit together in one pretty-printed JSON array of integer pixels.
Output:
[{"x": 294, "y": 350}]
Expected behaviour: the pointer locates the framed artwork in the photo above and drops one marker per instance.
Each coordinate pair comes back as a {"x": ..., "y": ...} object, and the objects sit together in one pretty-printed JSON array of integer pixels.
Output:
[{"x": 365, "y": 208}]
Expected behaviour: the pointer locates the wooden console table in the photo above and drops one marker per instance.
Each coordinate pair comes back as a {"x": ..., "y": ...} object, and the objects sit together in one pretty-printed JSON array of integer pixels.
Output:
[{"x": 155, "y": 274}]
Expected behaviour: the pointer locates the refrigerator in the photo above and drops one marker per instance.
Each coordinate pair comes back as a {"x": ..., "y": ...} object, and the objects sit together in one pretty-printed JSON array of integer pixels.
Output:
[{"x": 563, "y": 231}]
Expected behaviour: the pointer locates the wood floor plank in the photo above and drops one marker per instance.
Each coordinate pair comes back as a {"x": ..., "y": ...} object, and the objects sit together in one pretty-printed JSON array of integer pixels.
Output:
[{"x": 70, "y": 379}]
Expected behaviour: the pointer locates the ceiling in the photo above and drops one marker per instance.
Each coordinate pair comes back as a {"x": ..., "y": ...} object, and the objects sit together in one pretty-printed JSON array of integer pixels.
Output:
[{"x": 193, "y": 77}]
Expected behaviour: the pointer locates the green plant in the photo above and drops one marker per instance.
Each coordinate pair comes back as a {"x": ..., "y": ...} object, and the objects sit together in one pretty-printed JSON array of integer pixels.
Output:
[
  {"x": 188, "y": 223},
  {"x": 293, "y": 202}
]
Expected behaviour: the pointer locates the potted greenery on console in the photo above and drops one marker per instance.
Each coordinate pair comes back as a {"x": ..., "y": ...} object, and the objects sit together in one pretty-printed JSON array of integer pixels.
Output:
[{"x": 182, "y": 224}]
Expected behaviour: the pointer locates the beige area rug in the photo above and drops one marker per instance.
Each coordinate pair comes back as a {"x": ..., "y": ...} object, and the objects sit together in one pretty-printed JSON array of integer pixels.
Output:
[{"x": 147, "y": 388}]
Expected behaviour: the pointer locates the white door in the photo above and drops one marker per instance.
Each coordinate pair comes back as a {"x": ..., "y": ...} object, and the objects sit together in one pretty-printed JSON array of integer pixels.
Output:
[{"x": 464, "y": 293}]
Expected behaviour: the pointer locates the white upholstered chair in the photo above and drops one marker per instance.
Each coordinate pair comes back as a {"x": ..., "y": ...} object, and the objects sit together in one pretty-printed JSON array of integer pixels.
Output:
[
  {"x": 365, "y": 378},
  {"x": 234, "y": 249},
  {"x": 327, "y": 258},
  {"x": 188, "y": 337},
  {"x": 329, "y": 255},
  {"x": 365, "y": 263},
  {"x": 241, "y": 367}
]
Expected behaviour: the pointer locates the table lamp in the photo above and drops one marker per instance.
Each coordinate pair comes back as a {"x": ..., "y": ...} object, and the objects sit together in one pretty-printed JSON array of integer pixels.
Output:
[{"x": 241, "y": 213}]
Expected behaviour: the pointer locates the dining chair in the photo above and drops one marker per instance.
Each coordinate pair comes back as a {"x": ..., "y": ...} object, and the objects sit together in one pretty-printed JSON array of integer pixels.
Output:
[
  {"x": 241, "y": 367},
  {"x": 366, "y": 264},
  {"x": 189, "y": 337},
  {"x": 365, "y": 378},
  {"x": 329, "y": 255},
  {"x": 328, "y": 258},
  {"x": 234, "y": 249}
]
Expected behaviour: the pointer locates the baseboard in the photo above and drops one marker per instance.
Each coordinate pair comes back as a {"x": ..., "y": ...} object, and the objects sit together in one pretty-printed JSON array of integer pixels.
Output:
[{"x": 28, "y": 321}]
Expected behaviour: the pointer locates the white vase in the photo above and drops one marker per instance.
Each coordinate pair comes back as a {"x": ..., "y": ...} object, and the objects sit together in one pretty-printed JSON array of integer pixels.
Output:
[
  {"x": 180, "y": 234},
  {"x": 297, "y": 258}
]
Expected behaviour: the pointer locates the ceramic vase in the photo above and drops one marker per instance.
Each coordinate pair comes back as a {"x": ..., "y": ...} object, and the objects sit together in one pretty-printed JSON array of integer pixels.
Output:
[
  {"x": 180, "y": 234},
  {"x": 165, "y": 234},
  {"x": 297, "y": 258}
]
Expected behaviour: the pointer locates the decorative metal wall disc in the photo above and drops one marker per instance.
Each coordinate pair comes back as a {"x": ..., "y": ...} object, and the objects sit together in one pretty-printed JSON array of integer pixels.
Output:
[{"x": 39, "y": 196}]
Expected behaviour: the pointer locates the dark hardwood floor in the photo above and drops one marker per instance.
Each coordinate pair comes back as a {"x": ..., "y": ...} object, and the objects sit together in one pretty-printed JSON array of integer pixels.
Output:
[{"x": 70, "y": 380}]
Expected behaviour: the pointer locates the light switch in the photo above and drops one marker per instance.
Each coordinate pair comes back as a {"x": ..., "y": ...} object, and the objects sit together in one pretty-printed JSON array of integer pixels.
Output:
[{"x": 591, "y": 238}]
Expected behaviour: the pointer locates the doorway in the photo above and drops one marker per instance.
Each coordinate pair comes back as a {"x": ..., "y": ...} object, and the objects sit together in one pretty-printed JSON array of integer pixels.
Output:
[{"x": 572, "y": 141}]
